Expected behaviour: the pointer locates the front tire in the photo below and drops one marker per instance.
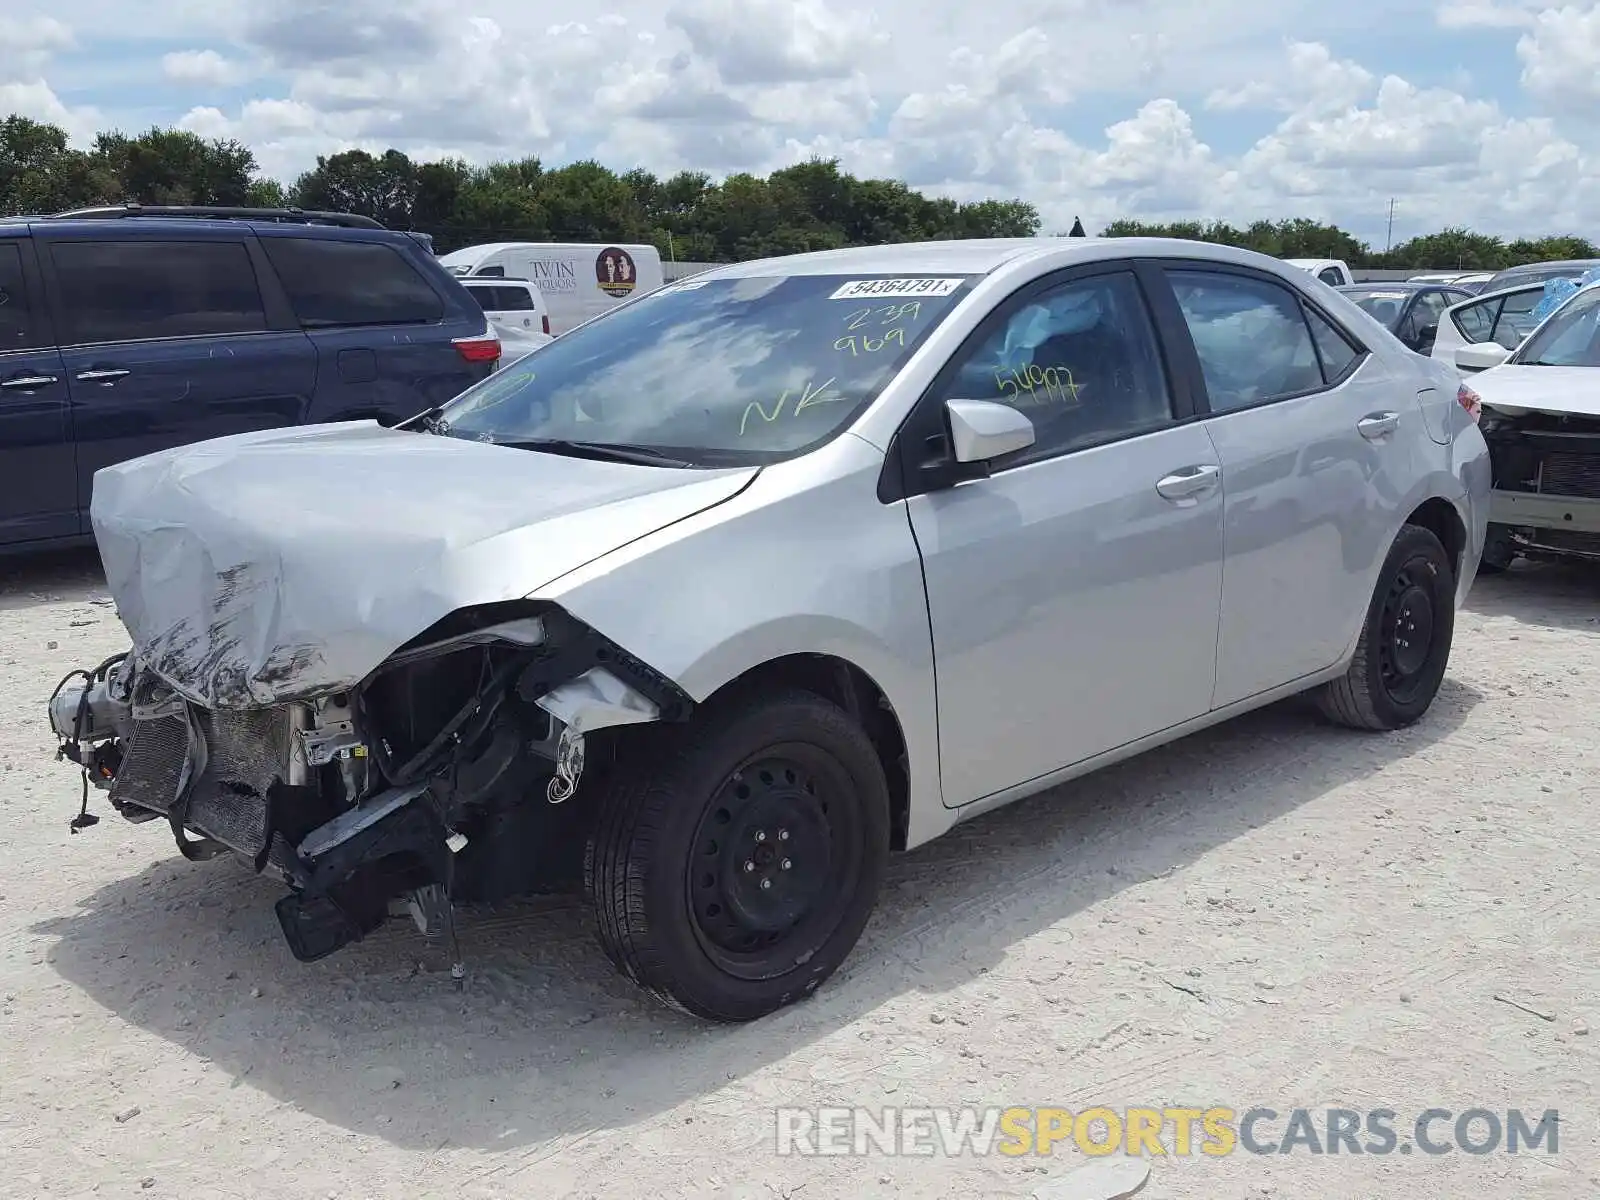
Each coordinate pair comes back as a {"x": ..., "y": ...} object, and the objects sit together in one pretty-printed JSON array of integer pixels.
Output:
[
  {"x": 1404, "y": 648},
  {"x": 735, "y": 861}
]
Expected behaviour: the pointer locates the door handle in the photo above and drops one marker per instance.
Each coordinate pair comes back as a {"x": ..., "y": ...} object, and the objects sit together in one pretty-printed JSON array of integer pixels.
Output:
[
  {"x": 100, "y": 375},
  {"x": 1377, "y": 425},
  {"x": 28, "y": 382},
  {"x": 1186, "y": 485}
]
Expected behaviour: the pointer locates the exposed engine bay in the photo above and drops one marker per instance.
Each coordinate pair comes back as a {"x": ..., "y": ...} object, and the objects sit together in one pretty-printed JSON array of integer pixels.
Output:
[
  {"x": 1546, "y": 499},
  {"x": 440, "y": 777}
]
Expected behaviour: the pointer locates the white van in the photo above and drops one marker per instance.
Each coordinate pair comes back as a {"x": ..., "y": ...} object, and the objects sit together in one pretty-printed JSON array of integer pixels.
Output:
[{"x": 578, "y": 280}]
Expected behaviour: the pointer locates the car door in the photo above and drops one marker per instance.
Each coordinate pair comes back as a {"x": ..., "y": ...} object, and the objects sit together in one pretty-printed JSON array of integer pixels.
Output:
[
  {"x": 39, "y": 499},
  {"x": 1074, "y": 591},
  {"x": 168, "y": 339},
  {"x": 1315, "y": 440},
  {"x": 1420, "y": 326}
]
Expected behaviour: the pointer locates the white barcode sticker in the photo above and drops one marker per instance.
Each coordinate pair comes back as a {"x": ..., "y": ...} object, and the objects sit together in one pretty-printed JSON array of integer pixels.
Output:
[{"x": 868, "y": 289}]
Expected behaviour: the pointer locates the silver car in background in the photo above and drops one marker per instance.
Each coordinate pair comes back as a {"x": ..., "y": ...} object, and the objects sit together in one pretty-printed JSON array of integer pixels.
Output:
[{"x": 717, "y": 600}]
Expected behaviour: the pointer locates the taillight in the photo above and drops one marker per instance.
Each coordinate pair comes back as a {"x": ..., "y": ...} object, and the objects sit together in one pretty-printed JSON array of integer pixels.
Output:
[
  {"x": 1470, "y": 400},
  {"x": 545, "y": 321},
  {"x": 482, "y": 349}
]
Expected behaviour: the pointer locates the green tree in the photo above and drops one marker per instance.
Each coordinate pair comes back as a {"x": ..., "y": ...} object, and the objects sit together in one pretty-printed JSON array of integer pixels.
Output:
[
  {"x": 170, "y": 166},
  {"x": 40, "y": 173},
  {"x": 382, "y": 186},
  {"x": 1453, "y": 247}
]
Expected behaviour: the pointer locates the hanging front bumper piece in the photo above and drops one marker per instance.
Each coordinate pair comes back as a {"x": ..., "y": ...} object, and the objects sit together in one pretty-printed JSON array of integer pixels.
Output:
[{"x": 436, "y": 778}]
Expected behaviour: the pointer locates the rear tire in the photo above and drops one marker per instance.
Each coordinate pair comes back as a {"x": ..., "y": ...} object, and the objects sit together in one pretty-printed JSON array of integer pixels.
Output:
[
  {"x": 735, "y": 862},
  {"x": 1499, "y": 551},
  {"x": 1404, "y": 647}
]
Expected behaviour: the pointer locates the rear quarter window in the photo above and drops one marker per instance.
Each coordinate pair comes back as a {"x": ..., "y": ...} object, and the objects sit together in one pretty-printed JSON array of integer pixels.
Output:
[{"x": 340, "y": 283}]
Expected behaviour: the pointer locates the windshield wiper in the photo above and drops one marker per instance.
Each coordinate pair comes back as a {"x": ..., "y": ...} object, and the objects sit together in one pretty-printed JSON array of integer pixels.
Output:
[{"x": 604, "y": 451}]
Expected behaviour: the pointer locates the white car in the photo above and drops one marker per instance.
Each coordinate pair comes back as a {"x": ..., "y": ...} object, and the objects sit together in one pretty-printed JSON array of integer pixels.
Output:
[
  {"x": 808, "y": 559},
  {"x": 1498, "y": 322},
  {"x": 511, "y": 304},
  {"x": 517, "y": 313},
  {"x": 1541, "y": 417},
  {"x": 1332, "y": 271}
]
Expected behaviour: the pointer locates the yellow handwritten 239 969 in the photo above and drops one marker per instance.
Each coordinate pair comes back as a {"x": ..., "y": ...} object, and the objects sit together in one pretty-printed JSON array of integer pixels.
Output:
[{"x": 876, "y": 329}]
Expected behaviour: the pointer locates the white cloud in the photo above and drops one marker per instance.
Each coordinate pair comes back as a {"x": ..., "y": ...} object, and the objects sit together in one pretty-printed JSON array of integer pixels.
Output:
[
  {"x": 28, "y": 45},
  {"x": 970, "y": 100},
  {"x": 1484, "y": 14},
  {"x": 204, "y": 67},
  {"x": 1560, "y": 56}
]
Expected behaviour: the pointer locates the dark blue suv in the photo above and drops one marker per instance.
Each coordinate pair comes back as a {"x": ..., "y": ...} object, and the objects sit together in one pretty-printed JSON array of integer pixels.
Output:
[{"x": 129, "y": 330}]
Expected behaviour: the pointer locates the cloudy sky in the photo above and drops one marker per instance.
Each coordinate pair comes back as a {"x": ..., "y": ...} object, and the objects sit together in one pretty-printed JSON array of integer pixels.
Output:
[{"x": 1481, "y": 112}]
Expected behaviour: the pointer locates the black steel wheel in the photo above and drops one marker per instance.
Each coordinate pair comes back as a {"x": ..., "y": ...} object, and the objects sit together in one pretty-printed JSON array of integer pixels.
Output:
[
  {"x": 736, "y": 861},
  {"x": 1404, "y": 647}
]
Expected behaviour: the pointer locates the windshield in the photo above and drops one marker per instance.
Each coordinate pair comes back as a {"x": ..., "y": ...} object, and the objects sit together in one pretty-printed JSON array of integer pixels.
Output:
[
  {"x": 1569, "y": 338},
  {"x": 1382, "y": 304},
  {"x": 714, "y": 371}
]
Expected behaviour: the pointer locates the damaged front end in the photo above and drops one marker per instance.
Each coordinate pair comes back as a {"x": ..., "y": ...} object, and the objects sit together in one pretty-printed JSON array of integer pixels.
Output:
[
  {"x": 1546, "y": 498},
  {"x": 440, "y": 777}
]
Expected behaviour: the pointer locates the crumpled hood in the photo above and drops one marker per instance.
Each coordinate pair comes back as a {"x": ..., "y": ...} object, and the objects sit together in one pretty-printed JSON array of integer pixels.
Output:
[
  {"x": 1573, "y": 391},
  {"x": 265, "y": 566}
]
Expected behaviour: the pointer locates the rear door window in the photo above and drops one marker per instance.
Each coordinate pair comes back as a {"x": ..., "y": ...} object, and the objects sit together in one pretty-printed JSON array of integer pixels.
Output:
[
  {"x": 1476, "y": 321},
  {"x": 1515, "y": 321},
  {"x": 339, "y": 283},
  {"x": 18, "y": 322},
  {"x": 515, "y": 299},
  {"x": 1251, "y": 337},
  {"x": 142, "y": 288}
]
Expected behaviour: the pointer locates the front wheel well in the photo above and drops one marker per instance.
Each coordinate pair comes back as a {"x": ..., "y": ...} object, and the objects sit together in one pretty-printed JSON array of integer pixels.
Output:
[
  {"x": 1439, "y": 517},
  {"x": 852, "y": 689}
]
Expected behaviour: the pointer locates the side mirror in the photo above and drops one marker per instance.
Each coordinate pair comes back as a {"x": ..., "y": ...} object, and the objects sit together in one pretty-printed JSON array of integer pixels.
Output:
[
  {"x": 981, "y": 430},
  {"x": 1426, "y": 337},
  {"x": 1480, "y": 356}
]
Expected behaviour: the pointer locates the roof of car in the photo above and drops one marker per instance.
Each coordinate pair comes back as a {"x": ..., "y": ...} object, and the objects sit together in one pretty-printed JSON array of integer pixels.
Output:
[
  {"x": 980, "y": 256},
  {"x": 138, "y": 226},
  {"x": 1400, "y": 285}
]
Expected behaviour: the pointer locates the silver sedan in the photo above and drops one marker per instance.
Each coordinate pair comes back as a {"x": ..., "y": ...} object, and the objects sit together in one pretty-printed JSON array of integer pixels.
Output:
[{"x": 714, "y": 602}]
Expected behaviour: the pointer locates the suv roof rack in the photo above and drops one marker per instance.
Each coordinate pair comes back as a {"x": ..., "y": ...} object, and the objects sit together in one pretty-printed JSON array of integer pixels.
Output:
[{"x": 299, "y": 216}]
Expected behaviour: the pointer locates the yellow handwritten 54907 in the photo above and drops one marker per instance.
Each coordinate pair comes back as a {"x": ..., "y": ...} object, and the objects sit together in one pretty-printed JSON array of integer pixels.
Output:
[
  {"x": 1031, "y": 385},
  {"x": 810, "y": 396}
]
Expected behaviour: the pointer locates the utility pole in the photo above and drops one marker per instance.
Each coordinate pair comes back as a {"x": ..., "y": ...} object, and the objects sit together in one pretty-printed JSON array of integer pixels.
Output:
[{"x": 1388, "y": 242}]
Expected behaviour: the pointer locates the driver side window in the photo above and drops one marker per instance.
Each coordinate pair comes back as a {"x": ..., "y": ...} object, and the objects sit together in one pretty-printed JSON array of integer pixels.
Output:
[{"x": 1080, "y": 360}]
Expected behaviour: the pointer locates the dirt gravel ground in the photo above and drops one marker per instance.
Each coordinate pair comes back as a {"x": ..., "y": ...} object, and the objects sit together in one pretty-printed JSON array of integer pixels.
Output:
[{"x": 1273, "y": 913}]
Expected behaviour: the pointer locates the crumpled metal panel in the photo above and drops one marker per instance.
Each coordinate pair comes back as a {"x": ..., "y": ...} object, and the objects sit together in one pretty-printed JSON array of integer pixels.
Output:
[{"x": 236, "y": 606}]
